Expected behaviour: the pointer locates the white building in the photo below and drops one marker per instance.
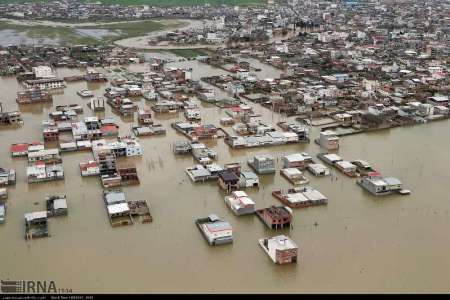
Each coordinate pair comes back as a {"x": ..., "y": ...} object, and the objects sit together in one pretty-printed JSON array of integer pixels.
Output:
[
  {"x": 42, "y": 72},
  {"x": 329, "y": 140},
  {"x": 249, "y": 179},
  {"x": 133, "y": 148},
  {"x": 281, "y": 249},
  {"x": 240, "y": 203}
]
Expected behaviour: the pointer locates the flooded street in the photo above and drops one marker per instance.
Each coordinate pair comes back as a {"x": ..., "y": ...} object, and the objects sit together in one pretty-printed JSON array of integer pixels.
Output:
[{"x": 357, "y": 243}]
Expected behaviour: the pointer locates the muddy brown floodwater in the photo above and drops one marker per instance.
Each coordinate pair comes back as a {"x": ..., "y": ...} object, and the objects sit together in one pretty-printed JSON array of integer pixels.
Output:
[{"x": 360, "y": 244}]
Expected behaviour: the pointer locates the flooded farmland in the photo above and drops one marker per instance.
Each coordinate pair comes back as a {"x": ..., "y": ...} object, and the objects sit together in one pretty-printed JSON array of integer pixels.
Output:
[
  {"x": 357, "y": 243},
  {"x": 13, "y": 37}
]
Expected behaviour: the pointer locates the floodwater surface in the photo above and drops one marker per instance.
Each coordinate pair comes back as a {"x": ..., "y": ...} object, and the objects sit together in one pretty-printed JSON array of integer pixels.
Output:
[{"x": 357, "y": 243}]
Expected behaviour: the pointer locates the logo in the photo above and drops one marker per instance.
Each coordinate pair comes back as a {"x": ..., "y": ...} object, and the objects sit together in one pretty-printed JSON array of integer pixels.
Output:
[
  {"x": 31, "y": 287},
  {"x": 9, "y": 286}
]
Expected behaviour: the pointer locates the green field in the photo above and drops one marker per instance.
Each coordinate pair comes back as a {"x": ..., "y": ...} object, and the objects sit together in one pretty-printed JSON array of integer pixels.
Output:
[
  {"x": 161, "y": 3},
  {"x": 187, "y": 53},
  {"x": 71, "y": 35},
  {"x": 183, "y": 2},
  {"x": 131, "y": 29},
  {"x": 64, "y": 34}
]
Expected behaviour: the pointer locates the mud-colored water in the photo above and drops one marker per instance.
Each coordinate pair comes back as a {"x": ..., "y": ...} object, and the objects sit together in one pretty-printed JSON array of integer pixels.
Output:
[{"x": 361, "y": 243}]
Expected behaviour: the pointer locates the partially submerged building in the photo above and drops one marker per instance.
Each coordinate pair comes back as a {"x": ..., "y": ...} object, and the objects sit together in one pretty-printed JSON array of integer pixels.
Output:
[
  {"x": 36, "y": 225},
  {"x": 297, "y": 160},
  {"x": 281, "y": 249},
  {"x": 275, "y": 217},
  {"x": 262, "y": 164},
  {"x": 10, "y": 118},
  {"x": 248, "y": 179},
  {"x": 214, "y": 230},
  {"x": 119, "y": 212},
  {"x": 294, "y": 176},
  {"x": 328, "y": 140},
  {"x": 378, "y": 185},
  {"x": 41, "y": 172},
  {"x": 139, "y": 209},
  {"x": 7, "y": 177},
  {"x": 2, "y": 213},
  {"x": 300, "y": 197},
  {"x": 318, "y": 169},
  {"x": 240, "y": 203},
  {"x": 56, "y": 205},
  {"x": 34, "y": 95},
  {"x": 228, "y": 181},
  {"x": 90, "y": 168}
]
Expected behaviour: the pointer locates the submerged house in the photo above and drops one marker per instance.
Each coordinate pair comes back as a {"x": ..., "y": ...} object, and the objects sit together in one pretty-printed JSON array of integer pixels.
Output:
[
  {"x": 44, "y": 84},
  {"x": 296, "y": 160},
  {"x": 181, "y": 147},
  {"x": 378, "y": 185},
  {"x": 215, "y": 231},
  {"x": 90, "y": 168},
  {"x": 228, "y": 181},
  {"x": 346, "y": 167},
  {"x": 240, "y": 203},
  {"x": 262, "y": 164},
  {"x": 275, "y": 217},
  {"x": 36, "y": 225},
  {"x": 281, "y": 249},
  {"x": 3, "y": 193},
  {"x": 166, "y": 106},
  {"x": 46, "y": 155},
  {"x": 10, "y": 118},
  {"x": 34, "y": 95},
  {"x": 248, "y": 179},
  {"x": 2, "y": 213},
  {"x": 128, "y": 174},
  {"x": 328, "y": 140},
  {"x": 7, "y": 177},
  {"x": 294, "y": 176},
  {"x": 198, "y": 173},
  {"x": 119, "y": 212},
  {"x": 318, "y": 169},
  {"x": 41, "y": 172},
  {"x": 145, "y": 116},
  {"x": 300, "y": 197},
  {"x": 56, "y": 205},
  {"x": 139, "y": 209}
]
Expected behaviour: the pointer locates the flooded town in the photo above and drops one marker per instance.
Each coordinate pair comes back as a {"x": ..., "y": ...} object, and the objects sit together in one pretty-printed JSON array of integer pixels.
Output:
[{"x": 267, "y": 147}]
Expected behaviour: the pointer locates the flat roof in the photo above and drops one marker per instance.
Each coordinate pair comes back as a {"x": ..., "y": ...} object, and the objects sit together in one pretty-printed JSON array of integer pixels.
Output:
[
  {"x": 346, "y": 164},
  {"x": 282, "y": 242},
  {"x": 295, "y": 157},
  {"x": 115, "y": 197},
  {"x": 228, "y": 176},
  {"x": 36, "y": 215},
  {"x": 292, "y": 171},
  {"x": 200, "y": 172},
  {"x": 249, "y": 175},
  {"x": 60, "y": 204},
  {"x": 317, "y": 167},
  {"x": 239, "y": 194},
  {"x": 392, "y": 181},
  {"x": 118, "y": 208},
  {"x": 332, "y": 157},
  {"x": 246, "y": 201},
  {"x": 314, "y": 195},
  {"x": 296, "y": 198},
  {"x": 218, "y": 226}
]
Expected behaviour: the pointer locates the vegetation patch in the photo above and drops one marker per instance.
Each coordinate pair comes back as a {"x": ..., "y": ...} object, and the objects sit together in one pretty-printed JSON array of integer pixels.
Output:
[
  {"x": 187, "y": 53},
  {"x": 79, "y": 34},
  {"x": 164, "y": 3}
]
